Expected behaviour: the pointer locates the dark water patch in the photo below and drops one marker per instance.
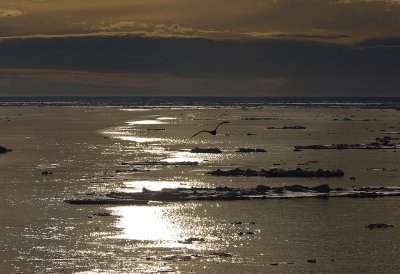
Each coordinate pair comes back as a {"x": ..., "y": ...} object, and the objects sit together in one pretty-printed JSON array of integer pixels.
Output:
[
  {"x": 161, "y": 163},
  {"x": 288, "y": 127},
  {"x": 170, "y": 101},
  {"x": 228, "y": 193},
  {"x": 379, "y": 143},
  {"x": 249, "y": 150},
  {"x": 378, "y": 225},
  {"x": 206, "y": 150}
]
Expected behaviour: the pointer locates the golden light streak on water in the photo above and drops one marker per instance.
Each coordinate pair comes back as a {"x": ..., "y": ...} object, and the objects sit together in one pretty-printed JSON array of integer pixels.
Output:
[
  {"x": 139, "y": 139},
  {"x": 137, "y": 186},
  {"x": 148, "y": 223},
  {"x": 145, "y": 122}
]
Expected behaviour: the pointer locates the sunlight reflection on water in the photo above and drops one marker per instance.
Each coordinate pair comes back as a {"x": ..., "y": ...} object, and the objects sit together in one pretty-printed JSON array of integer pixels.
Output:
[
  {"x": 166, "y": 118},
  {"x": 180, "y": 156},
  {"x": 145, "y": 122},
  {"x": 139, "y": 139},
  {"x": 137, "y": 186},
  {"x": 168, "y": 225},
  {"x": 186, "y": 156},
  {"x": 148, "y": 223},
  {"x": 155, "y": 226},
  {"x": 165, "y": 225}
]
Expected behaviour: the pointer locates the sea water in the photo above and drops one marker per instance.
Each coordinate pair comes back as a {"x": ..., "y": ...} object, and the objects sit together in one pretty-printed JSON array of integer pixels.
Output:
[{"x": 84, "y": 144}]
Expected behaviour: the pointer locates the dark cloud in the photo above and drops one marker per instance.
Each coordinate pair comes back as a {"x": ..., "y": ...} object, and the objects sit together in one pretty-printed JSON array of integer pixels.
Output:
[
  {"x": 393, "y": 41},
  {"x": 65, "y": 82},
  {"x": 310, "y": 36},
  {"x": 259, "y": 67},
  {"x": 208, "y": 18}
]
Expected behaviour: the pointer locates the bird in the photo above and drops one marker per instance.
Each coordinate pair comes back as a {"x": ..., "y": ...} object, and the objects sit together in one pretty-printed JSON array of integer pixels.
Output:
[{"x": 212, "y": 132}]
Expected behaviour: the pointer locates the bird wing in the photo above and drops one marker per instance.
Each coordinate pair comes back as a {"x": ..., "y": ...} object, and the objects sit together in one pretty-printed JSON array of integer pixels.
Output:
[
  {"x": 225, "y": 122},
  {"x": 200, "y": 132}
]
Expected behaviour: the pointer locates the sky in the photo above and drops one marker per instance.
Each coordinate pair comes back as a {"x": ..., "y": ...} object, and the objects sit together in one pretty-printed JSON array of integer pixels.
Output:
[{"x": 200, "y": 48}]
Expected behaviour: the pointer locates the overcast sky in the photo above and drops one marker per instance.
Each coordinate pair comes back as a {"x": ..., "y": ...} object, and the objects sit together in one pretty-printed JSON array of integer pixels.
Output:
[{"x": 209, "y": 47}]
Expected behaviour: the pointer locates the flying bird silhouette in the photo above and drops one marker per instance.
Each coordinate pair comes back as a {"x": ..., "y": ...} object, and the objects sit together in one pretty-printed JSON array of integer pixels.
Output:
[{"x": 212, "y": 132}]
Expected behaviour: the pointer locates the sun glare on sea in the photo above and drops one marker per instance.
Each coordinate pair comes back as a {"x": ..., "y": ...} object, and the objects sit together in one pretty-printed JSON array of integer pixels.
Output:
[
  {"x": 137, "y": 186},
  {"x": 182, "y": 157},
  {"x": 139, "y": 139},
  {"x": 167, "y": 225},
  {"x": 149, "y": 223},
  {"x": 185, "y": 156},
  {"x": 145, "y": 122}
]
